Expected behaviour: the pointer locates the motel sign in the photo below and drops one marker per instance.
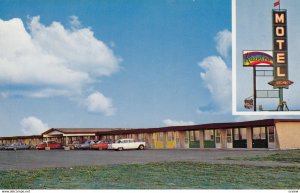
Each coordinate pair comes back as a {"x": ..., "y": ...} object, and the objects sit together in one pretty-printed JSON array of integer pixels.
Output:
[
  {"x": 277, "y": 59},
  {"x": 280, "y": 50}
]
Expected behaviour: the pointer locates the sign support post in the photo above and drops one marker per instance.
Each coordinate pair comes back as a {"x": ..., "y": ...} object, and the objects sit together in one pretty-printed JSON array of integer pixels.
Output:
[
  {"x": 281, "y": 106},
  {"x": 254, "y": 88}
]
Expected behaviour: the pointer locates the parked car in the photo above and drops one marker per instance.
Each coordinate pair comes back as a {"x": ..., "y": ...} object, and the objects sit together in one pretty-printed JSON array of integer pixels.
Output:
[
  {"x": 87, "y": 144},
  {"x": 50, "y": 144},
  {"x": 100, "y": 145},
  {"x": 122, "y": 144},
  {"x": 73, "y": 145},
  {"x": 2, "y": 146},
  {"x": 17, "y": 146}
]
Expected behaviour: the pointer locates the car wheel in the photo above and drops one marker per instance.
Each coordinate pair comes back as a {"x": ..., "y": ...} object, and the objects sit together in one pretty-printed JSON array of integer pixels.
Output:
[
  {"x": 120, "y": 148},
  {"x": 141, "y": 147}
]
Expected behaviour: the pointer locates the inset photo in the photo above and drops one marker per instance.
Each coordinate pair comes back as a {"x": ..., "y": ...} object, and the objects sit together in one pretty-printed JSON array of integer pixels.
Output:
[{"x": 266, "y": 47}]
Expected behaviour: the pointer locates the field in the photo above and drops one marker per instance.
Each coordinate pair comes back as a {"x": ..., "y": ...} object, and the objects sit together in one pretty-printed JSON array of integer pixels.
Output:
[
  {"x": 188, "y": 175},
  {"x": 291, "y": 156},
  {"x": 190, "y": 169}
]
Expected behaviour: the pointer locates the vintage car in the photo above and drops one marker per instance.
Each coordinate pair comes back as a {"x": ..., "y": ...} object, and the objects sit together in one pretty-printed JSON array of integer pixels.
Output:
[
  {"x": 87, "y": 144},
  {"x": 2, "y": 146},
  {"x": 50, "y": 144},
  {"x": 122, "y": 144},
  {"x": 100, "y": 145},
  {"x": 73, "y": 145},
  {"x": 17, "y": 146}
]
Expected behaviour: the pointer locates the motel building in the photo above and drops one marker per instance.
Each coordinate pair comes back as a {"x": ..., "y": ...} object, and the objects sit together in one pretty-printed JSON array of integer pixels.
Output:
[{"x": 267, "y": 134}]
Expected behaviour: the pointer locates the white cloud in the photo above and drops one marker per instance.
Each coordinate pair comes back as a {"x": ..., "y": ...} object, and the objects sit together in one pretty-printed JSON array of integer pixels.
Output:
[
  {"x": 33, "y": 126},
  {"x": 52, "y": 57},
  {"x": 217, "y": 78},
  {"x": 74, "y": 21},
  {"x": 169, "y": 122},
  {"x": 223, "y": 40},
  {"x": 97, "y": 102},
  {"x": 79, "y": 49}
]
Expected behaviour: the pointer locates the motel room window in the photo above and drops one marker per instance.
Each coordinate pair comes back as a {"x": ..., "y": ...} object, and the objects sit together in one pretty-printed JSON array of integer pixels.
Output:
[
  {"x": 263, "y": 133},
  {"x": 218, "y": 136},
  {"x": 236, "y": 134},
  {"x": 239, "y": 134},
  {"x": 256, "y": 133},
  {"x": 141, "y": 136},
  {"x": 229, "y": 134},
  {"x": 209, "y": 135},
  {"x": 243, "y": 135},
  {"x": 157, "y": 136},
  {"x": 186, "y": 137},
  {"x": 259, "y": 133},
  {"x": 170, "y": 136},
  {"x": 161, "y": 136},
  {"x": 197, "y": 135},
  {"x": 192, "y": 136},
  {"x": 271, "y": 134}
]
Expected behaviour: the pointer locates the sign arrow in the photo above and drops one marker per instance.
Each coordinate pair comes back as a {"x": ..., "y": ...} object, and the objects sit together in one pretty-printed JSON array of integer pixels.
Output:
[{"x": 280, "y": 83}]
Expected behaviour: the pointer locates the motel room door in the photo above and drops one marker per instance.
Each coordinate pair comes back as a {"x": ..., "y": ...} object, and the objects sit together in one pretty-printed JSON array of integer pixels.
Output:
[
  {"x": 239, "y": 138},
  {"x": 218, "y": 138},
  {"x": 229, "y": 138},
  {"x": 271, "y": 137},
  {"x": 259, "y": 138}
]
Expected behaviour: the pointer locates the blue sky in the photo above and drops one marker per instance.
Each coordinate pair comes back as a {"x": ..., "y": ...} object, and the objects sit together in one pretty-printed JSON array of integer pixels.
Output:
[
  {"x": 113, "y": 64},
  {"x": 254, "y": 32}
]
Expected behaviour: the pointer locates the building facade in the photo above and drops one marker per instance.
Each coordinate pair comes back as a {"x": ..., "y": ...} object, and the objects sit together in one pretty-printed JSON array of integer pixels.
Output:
[{"x": 268, "y": 133}]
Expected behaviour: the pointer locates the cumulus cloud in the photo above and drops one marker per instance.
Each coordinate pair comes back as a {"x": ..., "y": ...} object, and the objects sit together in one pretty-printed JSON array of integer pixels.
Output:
[
  {"x": 52, "y": 57},
  {"x": 79, "y": 48},
  {"x": 217, "y": 78},
  {"x": 169, "y": 122},
  {"x": 223, "y": 40},
  {"x": 33, "y": 126},
  {"x": 97, "y": 102},
  {"x": 74, "y": 21},
  {"x": 48, "y": 61}
]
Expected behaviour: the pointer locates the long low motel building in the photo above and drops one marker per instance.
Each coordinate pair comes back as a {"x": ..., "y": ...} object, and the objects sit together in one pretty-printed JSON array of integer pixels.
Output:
[{"x": 268, "y": 133}]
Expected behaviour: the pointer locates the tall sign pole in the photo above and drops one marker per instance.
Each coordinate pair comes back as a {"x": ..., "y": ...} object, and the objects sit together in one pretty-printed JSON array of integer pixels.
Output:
[
  {"x": 254, "y": 88},
  {"x": 280, "y": 54}
]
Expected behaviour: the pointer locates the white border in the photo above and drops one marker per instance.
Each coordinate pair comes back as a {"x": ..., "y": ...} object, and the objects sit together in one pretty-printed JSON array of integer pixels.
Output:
[{"x": 233, "y": 66}]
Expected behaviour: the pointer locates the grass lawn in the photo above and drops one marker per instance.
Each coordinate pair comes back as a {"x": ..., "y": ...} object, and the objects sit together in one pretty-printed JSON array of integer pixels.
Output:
[
  {"x": 186, "y": 175},
  {"x": 291, "y": 156}
]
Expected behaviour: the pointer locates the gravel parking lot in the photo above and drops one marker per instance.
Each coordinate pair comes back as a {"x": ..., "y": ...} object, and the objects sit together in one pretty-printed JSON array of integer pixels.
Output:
[{"x": 33, "y": 159}]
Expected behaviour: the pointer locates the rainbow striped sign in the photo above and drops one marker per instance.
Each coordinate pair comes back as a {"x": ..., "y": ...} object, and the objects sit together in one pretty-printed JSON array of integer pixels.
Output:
[{"x": 257, "y": 58}]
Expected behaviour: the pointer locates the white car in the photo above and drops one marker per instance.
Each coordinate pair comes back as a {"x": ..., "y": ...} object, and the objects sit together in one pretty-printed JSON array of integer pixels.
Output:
[{"x": 122, "y": 144}]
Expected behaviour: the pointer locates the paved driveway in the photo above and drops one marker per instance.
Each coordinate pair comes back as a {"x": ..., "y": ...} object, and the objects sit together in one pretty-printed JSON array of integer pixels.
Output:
[{"x": 32, "y": 159}]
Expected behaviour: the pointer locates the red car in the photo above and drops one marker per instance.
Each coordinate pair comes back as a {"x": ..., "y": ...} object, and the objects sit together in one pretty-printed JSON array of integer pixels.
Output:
[
  {"x": 100, "y": 145},
  {"x": 51, "y": 144}
]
